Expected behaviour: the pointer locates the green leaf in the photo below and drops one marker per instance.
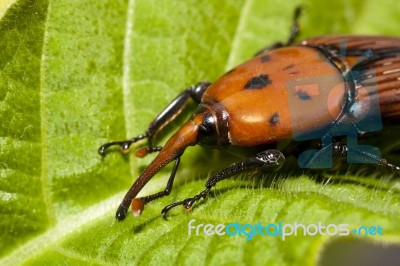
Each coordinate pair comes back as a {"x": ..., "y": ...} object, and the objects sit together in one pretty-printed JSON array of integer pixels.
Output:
[{"x": 76, "y": 74}]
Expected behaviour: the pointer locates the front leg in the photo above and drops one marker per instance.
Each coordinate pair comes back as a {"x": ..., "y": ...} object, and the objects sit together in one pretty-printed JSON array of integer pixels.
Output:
[
  {"x": 162, "y": 119},
  {"x": 266, "y": 160}
]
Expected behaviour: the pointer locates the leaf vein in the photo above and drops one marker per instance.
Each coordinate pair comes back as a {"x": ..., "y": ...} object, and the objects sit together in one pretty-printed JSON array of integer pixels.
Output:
[
  {"x": 43, "y": 126},
  {"x": 239, "y": 30}
]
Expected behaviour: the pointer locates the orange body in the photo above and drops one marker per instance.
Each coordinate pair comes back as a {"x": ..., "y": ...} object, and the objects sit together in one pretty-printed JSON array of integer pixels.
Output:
[
  {"x": 272, "y": 109},
  {"x": 285, "y": 93}
]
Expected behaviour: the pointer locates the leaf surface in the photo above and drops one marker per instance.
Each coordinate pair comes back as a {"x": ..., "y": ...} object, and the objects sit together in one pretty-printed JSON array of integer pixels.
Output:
[{"x": 76, "y": 74}]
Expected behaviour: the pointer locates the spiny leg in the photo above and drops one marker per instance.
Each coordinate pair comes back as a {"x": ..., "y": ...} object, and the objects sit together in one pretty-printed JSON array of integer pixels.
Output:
[
  {"x": 162, "y": 119},
  {"x": 342, "y": 149},
  {"x": 294, "y": 31},
  {"x": 394, "y": 168},
  {"x": 124, "y": 145},
  {"x": 264, "y": 160}
]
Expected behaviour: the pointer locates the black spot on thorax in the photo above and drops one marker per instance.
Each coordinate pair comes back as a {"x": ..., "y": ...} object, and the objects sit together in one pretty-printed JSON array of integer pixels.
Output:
[
  {"x": 265, "y": 58},
  {"x": 288, "y": 67},
  {"x": 258, "y": 82},
  {"x": 274, "y": 119}
]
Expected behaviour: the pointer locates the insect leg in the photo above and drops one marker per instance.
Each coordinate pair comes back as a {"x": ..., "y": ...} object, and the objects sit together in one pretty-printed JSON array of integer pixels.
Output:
[
  {"x": 294, "y": 32},
  {"x": 137, "y": 204},
  {"x": 162, "y": 119},
  {"x": 393, "y": 167},
  {"x": 341, "y": 149},
  {"x": 264, "y": 160}
]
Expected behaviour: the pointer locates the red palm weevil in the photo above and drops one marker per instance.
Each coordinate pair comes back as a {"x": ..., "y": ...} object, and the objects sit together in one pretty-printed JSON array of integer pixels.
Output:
[{"x": 318, "y": 88}]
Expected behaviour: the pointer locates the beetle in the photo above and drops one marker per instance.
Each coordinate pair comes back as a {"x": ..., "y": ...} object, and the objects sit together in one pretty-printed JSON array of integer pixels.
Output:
[{"x": 312, "y": 89}]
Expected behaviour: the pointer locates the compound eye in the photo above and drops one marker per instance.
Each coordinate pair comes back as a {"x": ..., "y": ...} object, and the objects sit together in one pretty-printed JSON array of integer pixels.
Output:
[
  {"x": 207, "y": 131},
  {"x": 208, "y": 125},
  {"x": 204, "y": 130}
]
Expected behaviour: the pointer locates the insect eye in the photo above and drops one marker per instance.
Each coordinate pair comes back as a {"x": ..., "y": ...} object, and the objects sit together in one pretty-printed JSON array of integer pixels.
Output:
[
  {"x": 203, "y": 130},
  {"x": 207, "y": 131},
  {"x": 207, "y": 127}
]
